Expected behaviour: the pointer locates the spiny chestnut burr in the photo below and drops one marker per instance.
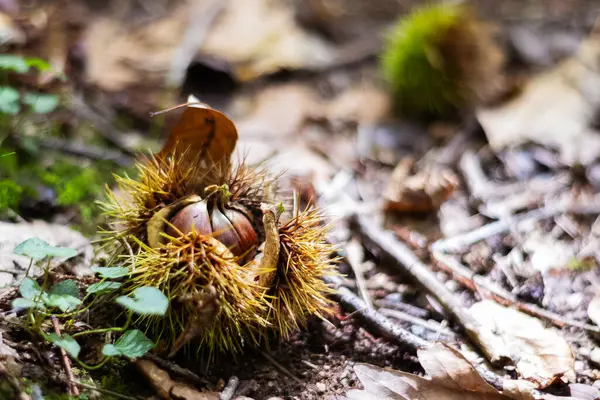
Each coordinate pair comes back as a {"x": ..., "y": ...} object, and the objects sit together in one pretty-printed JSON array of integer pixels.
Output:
[
  {"x": 214, "y": 216},
  {"x": 211, "y": 236}
]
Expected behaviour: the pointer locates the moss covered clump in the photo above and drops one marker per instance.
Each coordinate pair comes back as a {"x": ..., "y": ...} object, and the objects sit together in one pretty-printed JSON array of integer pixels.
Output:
[{"x": 438, "y": 59}]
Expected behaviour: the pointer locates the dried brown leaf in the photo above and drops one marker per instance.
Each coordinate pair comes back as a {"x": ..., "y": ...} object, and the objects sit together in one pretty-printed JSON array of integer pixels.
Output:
[
  {"x": 540, "y": 355},
  {"x": 422, "y": 192},
  {"x": 201, "y": 135},
  {"x": 167, "y": 388},
  {"x": 452, "y": 378},
  {"x": 536, "y": 116},
  {"x": 159, "y": 379}
]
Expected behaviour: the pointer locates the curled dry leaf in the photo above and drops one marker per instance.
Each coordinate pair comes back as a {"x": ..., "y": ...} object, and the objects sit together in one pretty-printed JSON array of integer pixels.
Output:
[
  {"x": 540, "y": 355},
  {"x": 167, "y": 388},
  {"x": 201, "y": 134},
  {"x": 423, "y": 192},
  {"x": 451, "y": 377}
]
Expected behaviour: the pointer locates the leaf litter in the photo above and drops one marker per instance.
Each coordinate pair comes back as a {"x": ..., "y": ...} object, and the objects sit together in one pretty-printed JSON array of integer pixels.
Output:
[{"x": 306, "y": 138}]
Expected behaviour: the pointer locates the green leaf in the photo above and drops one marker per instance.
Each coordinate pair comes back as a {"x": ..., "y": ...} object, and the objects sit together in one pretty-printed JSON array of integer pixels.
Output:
[
  {"x": 14, "y": 63},
  {"x": 63, "y": 301},
  {"x": 38, "y": 249},
  {"x": 29, "y": 288},
  {"x": 111, "y": 272},
  {"x": 68, "y": 287},
  {"x": 9, "y": 100},
  {"x": 20, "y": 302},
  {"x": 103, "y": 287},
  {"x": 147, "y": 301},
  {"x": 67, "y": 343},
  {"x": 41, "y": 103},
  {"x": 38, "y": 63},
  {"x": 132, "y": 344}
]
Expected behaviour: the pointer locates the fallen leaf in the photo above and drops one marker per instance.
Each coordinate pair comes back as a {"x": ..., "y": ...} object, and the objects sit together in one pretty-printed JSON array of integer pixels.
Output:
[
  {"x": 547, "y": 253},
  {"x": 452, "y": 377},
  {"x": 278, "y": 111},
  {"x": 537, "y": 116},
  {"x": 359, "y": 104},
  {"x": 180, "y": 391},
  {"x": 593, "y": 310},
  {"x": 169, "y": 389},
  {"x": 422, "y": 192},
  {"x": 159, "y": 379},
  {"x": 540, "y": 355},
  {"x": 261, "y": 37},
  {"x": 202, "y": 135}
]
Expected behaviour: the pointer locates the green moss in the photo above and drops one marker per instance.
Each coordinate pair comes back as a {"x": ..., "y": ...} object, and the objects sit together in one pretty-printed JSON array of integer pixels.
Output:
[
  {"x": 75, "y": 182},
  {"x": 421, "y": 80},
  {"x": 10, "y": 194}
]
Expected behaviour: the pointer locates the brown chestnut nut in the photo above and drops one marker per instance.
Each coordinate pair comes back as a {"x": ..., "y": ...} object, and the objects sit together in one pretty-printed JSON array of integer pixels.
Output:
[{"x": 212, "y": 217}]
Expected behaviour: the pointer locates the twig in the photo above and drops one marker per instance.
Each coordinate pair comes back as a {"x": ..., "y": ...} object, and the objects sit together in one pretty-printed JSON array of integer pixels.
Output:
[
  {"x": 73, "y": 389},
  {"x": 309, "y": 364},
  {"x": 404, "y": 307},
  {"x": 379, "y": 325},
  {"x": 80, "y": 149},
  {"x": 432, "y": 326},
  {"x": 409, "y": 263},
  {"x": 280, "y": 367},
  {"x": 177, "y": 370},
  {"x": 229, "y": 391},
  {"x": 476, "y": 282},
  {"x": 519, "y": 223},
  {"x": 373, "y": 321},
  {"x": 353, "y": 255},
  {"x": 106, "y": 391}
]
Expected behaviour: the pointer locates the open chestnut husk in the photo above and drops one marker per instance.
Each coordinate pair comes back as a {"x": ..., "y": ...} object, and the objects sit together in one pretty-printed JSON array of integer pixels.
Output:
[{"x": 215, "y": 216}]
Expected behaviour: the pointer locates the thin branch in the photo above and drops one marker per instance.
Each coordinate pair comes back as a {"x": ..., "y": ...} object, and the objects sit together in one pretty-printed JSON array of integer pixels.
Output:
[
  {"x": 105, "y": 391},
  {"x": 430, "y": 325},
  {"x": 229, "y": 391},
  {"x": 410, "y": 264},
  {"x": 73, "y": 389},
  {"x": 281, "y": 368},
  {"x": 175, "y": 369},
  {"x": 87, "y": 151},
  {"x": 477, "y": 282},
  {"x": 373, "y": 321}
]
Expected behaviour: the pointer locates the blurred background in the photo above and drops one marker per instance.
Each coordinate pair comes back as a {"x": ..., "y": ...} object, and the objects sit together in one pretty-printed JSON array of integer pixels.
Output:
[{"x": 315, "y": 87}]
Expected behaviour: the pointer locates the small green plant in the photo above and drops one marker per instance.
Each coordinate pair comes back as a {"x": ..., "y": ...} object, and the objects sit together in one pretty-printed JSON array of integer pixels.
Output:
[
  {"x": 11, "y": 99},
  {"x": 42, "y": 302},
  {"x": 438, "y": 59}
]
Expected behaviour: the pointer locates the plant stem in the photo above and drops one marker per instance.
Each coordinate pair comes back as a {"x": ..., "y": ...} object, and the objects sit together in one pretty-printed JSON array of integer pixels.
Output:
[
  {"x": 29, "y": 267},
  {"x": 104, "y": 330},
  {"x": 92, "y": 367}
]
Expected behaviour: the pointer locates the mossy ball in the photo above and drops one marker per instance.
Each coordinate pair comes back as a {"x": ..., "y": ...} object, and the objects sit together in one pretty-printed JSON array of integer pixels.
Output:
[{"x": 438, "y": 59}]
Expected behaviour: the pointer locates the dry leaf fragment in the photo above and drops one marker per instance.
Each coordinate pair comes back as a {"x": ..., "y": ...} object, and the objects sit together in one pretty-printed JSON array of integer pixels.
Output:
[
  {"x": 539, "y": 354},
  {"x": 452, "y": 377},
  {"x": 556, "y": 109},
  {"x": 167, "y": 388},
  {"x": 593, "y": 310},
  {"x": 202, "y": 134},
  {"x": 423, "y": 192}
]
